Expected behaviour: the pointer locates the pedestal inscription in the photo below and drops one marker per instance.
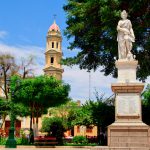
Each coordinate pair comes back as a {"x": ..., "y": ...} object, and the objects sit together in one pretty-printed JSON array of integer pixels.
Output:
[{"x": 128, "y": 105}]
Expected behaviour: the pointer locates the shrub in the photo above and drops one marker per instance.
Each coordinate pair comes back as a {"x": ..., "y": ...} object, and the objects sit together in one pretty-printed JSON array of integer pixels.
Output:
[
  {"x": 22, "y": 141},
  {"x": 2, "y": 140},
  {"x": 54, "y": 127},
  {"x": 80, "y": 140}
]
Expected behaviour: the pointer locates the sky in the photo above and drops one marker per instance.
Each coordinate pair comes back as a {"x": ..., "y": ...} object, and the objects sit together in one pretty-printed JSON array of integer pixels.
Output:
[{"x": 23, "y": 29}]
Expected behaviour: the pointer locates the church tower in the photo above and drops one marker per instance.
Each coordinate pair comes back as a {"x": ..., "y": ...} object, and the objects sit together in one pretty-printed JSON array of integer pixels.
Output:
[{"x": 53, "y": 52}]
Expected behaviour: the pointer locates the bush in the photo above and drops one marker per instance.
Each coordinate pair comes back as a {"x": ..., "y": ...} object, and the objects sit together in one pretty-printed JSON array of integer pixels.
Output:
[
  {"x": 22, "y": 141},
  {"x": 73, "y": 144},
  {"x": 2, "y": 140},
  {"x": 54, "y": 127},
  {"x": 80, "y": 140}
]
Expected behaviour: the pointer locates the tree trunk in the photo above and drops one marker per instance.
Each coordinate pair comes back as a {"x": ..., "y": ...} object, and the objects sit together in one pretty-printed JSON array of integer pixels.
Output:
[
  {"x": 98, "y": 135},
  {"x": 31, "y": 137},
  {"x": 30, "y": 121},
  {"x": 37, "y": 121},
  {"x": 33, "y": 118},
  {"x": 24, "y": 72},
  {"x": 5, "y": 85},
  {"x": 3, "y": 120}
]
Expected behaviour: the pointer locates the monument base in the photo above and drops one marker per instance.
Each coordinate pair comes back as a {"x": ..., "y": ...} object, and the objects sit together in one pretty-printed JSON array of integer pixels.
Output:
[{"x": 128, "y": 135}]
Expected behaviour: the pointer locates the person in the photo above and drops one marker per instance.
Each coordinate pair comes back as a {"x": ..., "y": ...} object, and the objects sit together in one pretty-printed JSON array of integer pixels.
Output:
[{"x": 125, "y": 36}]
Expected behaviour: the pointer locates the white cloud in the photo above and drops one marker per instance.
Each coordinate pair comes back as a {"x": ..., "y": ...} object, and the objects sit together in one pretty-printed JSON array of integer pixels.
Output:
[
  {"x": 3, "y": 34},
  {"x": 79, "y": 81},
  {"x": 23, "y": 52},
  {"x": 69, "y": 53}
]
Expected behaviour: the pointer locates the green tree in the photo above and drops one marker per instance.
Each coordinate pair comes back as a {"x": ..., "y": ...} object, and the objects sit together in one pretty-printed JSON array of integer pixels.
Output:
[
  {"x": 146, "y": 105},
  {"x": 54, "y": 126},
  {"x": 91, "y": 26},
  {"x": 19, "y": 109},
  {"x": 4, "y": 109},
  {"x": 146, "y": 95},
  {"x": 39, "y": 93},
  {"x": 100, "y": 113},
  {"x": 63, "y": 111},
  {"x": 9, "y": 67},
  {"x": 79, "y": 116}
]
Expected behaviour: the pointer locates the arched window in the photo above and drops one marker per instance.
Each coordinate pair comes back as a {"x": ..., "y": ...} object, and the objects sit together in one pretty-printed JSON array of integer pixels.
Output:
[
  {"x": 52, "y": 60},
  {"x": 52, "y": 44}
]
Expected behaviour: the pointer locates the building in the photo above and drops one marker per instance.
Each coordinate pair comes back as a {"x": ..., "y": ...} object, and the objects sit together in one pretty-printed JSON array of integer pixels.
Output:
[
  {"x": 90, "y": 131},
  {"x": 53, "y": 54}
]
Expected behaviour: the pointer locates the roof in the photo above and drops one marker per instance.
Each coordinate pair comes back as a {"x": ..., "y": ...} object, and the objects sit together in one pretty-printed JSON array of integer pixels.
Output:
[{"x": 54, "y": 27}]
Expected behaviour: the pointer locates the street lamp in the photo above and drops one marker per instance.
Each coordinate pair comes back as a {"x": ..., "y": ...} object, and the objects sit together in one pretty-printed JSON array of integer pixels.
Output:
[{"x": 11, "y": 142}]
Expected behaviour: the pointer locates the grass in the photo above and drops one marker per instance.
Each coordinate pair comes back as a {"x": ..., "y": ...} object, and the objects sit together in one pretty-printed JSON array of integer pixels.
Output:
[{"x": 73, "y": 144}]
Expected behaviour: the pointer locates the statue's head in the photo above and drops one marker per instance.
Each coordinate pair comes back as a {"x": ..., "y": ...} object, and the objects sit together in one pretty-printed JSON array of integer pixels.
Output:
[{"x": 124, "y": 14}]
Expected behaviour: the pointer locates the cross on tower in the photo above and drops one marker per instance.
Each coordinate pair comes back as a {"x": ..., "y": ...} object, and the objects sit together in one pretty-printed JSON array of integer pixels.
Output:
[{"x": 54, "y": 16}]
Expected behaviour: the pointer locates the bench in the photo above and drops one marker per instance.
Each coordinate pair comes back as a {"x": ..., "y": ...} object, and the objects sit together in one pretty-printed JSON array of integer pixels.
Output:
[{"x": 45, "y": 141}]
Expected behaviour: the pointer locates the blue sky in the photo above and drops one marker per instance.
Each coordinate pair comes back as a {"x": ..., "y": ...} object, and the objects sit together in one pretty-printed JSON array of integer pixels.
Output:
[
  {"x": 27, "y": 21},
  {"x": 23, "y": 28}
]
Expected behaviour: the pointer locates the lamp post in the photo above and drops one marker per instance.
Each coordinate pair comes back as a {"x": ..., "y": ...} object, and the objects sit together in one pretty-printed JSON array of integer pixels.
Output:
[{"x": 11, "y": 142}]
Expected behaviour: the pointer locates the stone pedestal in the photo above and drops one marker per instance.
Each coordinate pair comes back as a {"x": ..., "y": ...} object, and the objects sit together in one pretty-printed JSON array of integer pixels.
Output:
[
  {"x": 128, "y": 135},
  {"x": 126, "y": 71},
  {"x": 128, "y": 130}
]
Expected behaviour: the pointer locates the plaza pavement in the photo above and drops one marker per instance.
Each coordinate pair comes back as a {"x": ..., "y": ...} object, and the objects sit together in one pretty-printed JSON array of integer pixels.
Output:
[
  {"x": 73, "y": 148},
  {"x": 56, "y": 148}
]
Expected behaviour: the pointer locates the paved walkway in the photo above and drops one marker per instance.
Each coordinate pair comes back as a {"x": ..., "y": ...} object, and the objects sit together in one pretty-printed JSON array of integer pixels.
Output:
[
  {"x": 47, "y": 149},
  {"x": 72, "y": 148},
  {"x": 56, "y": 148}
]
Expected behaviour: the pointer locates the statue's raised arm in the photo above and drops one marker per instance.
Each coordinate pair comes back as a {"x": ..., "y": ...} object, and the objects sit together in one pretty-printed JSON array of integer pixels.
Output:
[{"x": 125, "y": 37}]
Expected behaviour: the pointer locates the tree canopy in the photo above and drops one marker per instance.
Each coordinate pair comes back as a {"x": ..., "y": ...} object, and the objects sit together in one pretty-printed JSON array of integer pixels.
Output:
[
  {"x": 146, "y": 95},
  {"x": 64, "y": 112},
  {"x": 39, "y": 93},
  {"x": 54, "y": 127},
  {"x": 43, "y": 91},
  {"x": 91, "y": 26},
  {"x": 100, "y": 113},
  {"x": 146, "y": 105}
]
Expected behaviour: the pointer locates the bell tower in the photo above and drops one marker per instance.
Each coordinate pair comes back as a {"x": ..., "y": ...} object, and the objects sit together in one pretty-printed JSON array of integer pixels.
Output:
[{"x": 53, "y": 52}]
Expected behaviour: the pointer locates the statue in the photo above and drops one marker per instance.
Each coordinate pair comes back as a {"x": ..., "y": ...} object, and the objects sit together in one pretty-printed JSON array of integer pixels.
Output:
[{"x": 125, "y": 37}]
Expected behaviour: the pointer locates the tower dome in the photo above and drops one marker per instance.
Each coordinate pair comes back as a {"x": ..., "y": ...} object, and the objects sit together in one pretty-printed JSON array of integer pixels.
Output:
[{"x": 54, "y": 27}]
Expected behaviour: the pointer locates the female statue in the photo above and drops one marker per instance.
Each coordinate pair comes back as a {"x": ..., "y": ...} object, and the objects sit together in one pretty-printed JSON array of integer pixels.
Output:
[{"x": 125, "y": 37}]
